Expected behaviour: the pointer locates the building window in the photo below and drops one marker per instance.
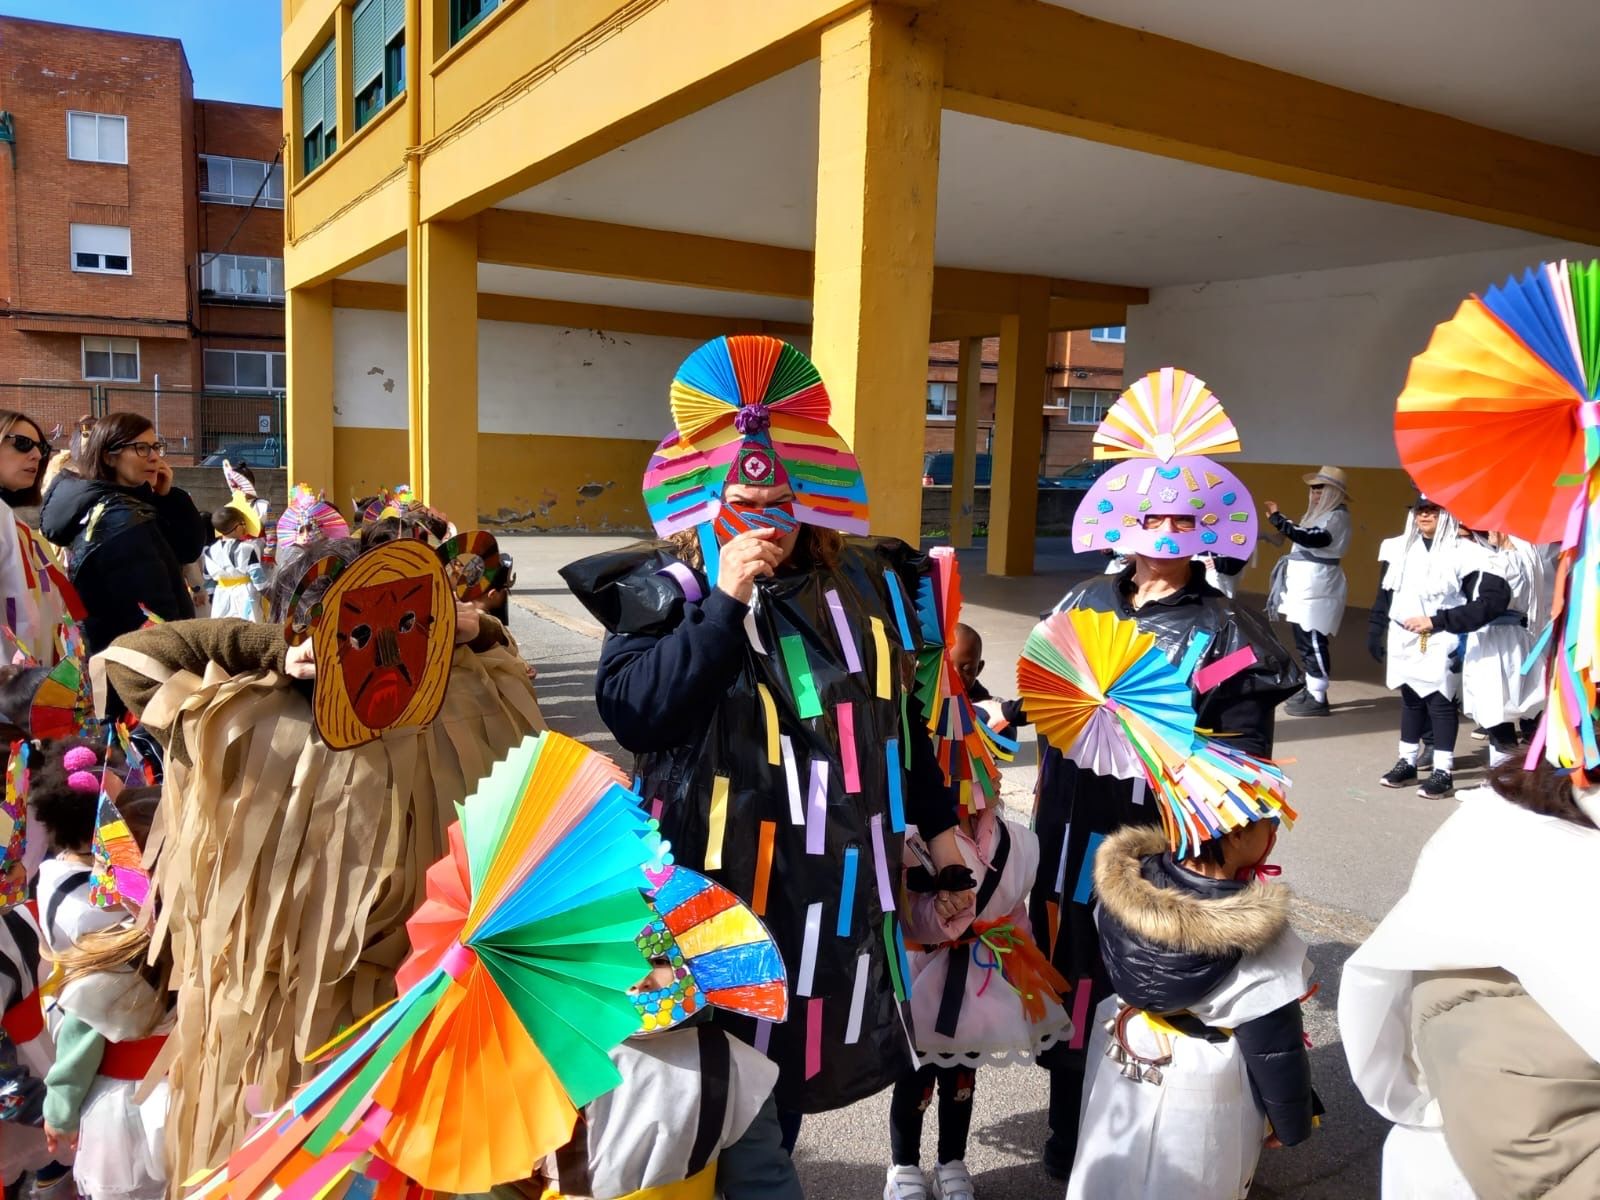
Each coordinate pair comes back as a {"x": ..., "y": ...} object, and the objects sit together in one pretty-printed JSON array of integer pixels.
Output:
[
  {"x": 245, "y": 371},
  {"x": 242, "y": 276},
  {"x": 941, "y": 399},
  {"x": 238, "y": 181},
  {"x": 1109, "y": 333},
  {"x": 465, "y": 15},
  {"x": 378, "y": 55},
  {"x": 1086, "y": 406},
  {"x": 101, "y": 248},
  {"x": 113, "y": 359},
  {"x": 319, "y": 109},
  {"x": 96, "y": 137}
]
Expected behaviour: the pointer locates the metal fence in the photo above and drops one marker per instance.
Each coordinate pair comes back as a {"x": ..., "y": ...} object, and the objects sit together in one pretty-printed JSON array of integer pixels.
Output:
[
  {"x": 54, "y": 408},
  {"x": 200, "y": 428}
]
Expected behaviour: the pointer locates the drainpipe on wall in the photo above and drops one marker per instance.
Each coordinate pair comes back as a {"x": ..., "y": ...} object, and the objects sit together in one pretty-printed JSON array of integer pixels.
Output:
[{"x": 414, "y": 240}]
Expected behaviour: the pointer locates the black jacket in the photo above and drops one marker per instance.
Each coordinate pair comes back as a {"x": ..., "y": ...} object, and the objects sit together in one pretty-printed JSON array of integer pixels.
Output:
[
  {"x": 133, "y": 554},
  {"x": 1170, "y": 937}
]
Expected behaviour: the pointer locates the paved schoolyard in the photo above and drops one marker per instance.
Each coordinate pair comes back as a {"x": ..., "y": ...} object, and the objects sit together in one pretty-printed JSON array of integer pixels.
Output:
[{"x": 1348, "y": 860}]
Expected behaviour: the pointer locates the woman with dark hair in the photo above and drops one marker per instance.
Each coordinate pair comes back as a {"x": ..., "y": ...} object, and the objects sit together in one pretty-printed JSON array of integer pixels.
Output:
[
  {"x": 1471, "y": 1016},
  {"x": 129, "y": 531},
  {"x": 32, "y": 600}
]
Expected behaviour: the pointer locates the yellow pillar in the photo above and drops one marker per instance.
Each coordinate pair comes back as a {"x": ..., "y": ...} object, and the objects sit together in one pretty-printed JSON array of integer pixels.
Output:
[
  {"x": 877, "y": 179},
  {"x": 308, "y": 339},
  {"x": 1018, "y": 429},
  {"x": 963, "y": 473},
  {"x": 444, "y": 438}
]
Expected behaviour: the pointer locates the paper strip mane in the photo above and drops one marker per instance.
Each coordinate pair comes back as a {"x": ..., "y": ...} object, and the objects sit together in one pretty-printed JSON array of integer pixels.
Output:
[
  {"x": 754, "y": 407},
  {"x": 1500, "y": 423},
  {"x": 1104, "y": 693},
  {"x": 308, "y": 516}
]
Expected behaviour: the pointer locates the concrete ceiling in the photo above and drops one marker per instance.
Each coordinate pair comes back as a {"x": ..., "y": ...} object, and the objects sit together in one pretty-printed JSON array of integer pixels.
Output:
[{"x": 1525, "y": 68}]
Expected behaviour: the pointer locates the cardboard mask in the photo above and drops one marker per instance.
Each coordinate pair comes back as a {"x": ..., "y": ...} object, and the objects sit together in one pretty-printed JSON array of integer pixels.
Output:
[{"x": 473, "y": 565}]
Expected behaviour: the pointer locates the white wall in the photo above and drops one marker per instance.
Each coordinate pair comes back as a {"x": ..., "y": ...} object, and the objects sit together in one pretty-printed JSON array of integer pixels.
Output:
[{"x": 1309, "y": 366}]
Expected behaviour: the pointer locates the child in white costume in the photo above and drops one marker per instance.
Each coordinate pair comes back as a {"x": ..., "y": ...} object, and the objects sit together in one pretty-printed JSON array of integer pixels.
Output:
[
  {"x": 1201, "y": 1054},
  {"x": 980, "y": 990},
  {"x": 1495, "y": 691},
  {"x": 233, "y": 566}
]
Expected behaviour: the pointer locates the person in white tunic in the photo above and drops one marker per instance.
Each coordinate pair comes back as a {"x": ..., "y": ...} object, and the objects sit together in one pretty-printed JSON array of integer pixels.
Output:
[
  {"x": 1495, "y": 691},
  {"x": 233, "y": 564},
  {"x": 1422, "y": 577},
  {"x": 1308, "y": 584},
  {"x": 1200, "y": 1054},
  {"x": 1470, "y": 1017}
]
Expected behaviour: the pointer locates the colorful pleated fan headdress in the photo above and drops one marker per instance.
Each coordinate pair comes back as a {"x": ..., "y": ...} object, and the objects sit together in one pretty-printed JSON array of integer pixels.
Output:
[
  {"x": 1165, "y": 427},
  {"x": 1500, "y": 423},
  {"x": 308, "y": 516},
  {"x": 752, "y": 409}
]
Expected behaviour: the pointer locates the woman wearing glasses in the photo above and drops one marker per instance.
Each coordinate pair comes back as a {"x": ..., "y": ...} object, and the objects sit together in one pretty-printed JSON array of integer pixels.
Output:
[
  {"x": 31, "y": 605},
  {"x": 128, "y": 530}
]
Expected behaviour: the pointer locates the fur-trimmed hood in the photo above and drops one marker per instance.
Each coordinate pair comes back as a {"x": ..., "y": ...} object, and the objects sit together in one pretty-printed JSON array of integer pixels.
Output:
[{"x": 1169, "y": 937}]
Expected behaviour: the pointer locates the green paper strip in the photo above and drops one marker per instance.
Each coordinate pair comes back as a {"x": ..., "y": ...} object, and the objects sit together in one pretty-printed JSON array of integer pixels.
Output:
[
  {"x": 893, "y": 957},
  {"x": 804, "y": 687}
]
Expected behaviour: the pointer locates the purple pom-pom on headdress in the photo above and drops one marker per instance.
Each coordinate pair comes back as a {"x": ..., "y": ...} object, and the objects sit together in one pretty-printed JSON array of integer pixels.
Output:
[
  {"x": 752, "y": 418},
  {"x": 84, "y": 781}
]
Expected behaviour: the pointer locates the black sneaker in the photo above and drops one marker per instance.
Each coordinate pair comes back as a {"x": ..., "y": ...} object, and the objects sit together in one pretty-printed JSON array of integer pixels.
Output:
[
  {"x": 1304, "y": 704},
  {"x": 1399, "y": 775},
  {"x": 1437, "y": 786},
  {"x": 1058, "y": 1158}
]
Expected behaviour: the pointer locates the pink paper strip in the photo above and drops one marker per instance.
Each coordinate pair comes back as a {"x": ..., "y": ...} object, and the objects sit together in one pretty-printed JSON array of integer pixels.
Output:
[
  {"x": 841, "y": 625},
  {"x": 456, "y": 960},
  {"x": 1224, "y": 669},
  {"x": 1080, "y": 1014},
  {"x": 340, "y": 1159},
  {"x": 655, "y": 809},
  {"x": 817, "y": 814},
  {"x": 813, "y": 1037},
  {"x": 881, "y": 863},
  {"x": 847, "y": 747}
]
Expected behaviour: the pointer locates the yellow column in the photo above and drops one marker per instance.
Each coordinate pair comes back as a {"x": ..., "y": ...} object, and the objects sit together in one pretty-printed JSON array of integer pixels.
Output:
[
  {"x": 877, "y": 178},
  {"x": 444, "y": 439},
  {"x": 963, "y": 473},
  {"x": 308, "y": 339},
  {"x": 1018, "y": 429}
]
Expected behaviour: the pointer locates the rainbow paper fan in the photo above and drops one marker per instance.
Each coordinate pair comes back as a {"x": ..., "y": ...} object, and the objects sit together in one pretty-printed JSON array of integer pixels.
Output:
[
  {"x": 308, "y": 516},
  {"x": 1490, "y": 422},
  {"x": 517, "y": 987},
  {"x": 1102, "y": 690},
  {"x": 1163, "y": 415},
  {"x": 963, "y": 743}
]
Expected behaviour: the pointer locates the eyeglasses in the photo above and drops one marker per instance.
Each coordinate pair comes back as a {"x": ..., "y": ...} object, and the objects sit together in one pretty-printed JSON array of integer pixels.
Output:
[
  {"x": 27, "y": 445},
  {"x": 1317, "y": 487},
  {"x": 143, "y": 449},
  {"x": 1180, "y": 524}
]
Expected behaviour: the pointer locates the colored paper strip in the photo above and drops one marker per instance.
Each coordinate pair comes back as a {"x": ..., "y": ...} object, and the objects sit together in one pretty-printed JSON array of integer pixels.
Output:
[
  {"x": 880, "y": 646},
  {"x": 880, "y": 862},
  {"x": 847, "y": 747},
  {"x": 898, "y": 599},
  {"x": 817, "y": 808},
  {"x": 1140, "y": 789},
  {"x": 717, "y": 824},
  {"x": 841, "y": 626},
  {"x": 1224, "y": 669},
  {"x": 763, "y": 1034},
  {"x": 897, "y": 807},
  {"x": 1192, "y": 655},
  {"x": 808, "y": 949},
  {"x": 1061, "y": 863},
  {"x": 791, "y": 777},
  {"x": 893, "y": 959},
  {"x": 655, "y": 809},
  {"x": 858, "y": 1000},
  {"x": 1080, "y": 1014},
  {"x": 847, "y": 890},
  {"x": 804, "y": 687},
  {"x": 1085, "y": 888},
  {"x": 751, "y": 632},
  {"x": 758, "y": 894},
  {"x": 770, "y": 708},
  {"x": 814, "y": 1037}
]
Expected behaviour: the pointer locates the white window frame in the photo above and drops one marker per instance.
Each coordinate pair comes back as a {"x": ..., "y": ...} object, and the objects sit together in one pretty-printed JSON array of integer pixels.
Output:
[
  {"x": 272, "y": 197},
  {"x": 1104, "y": 398},
  {"x": 273, "y": 358},
  {"x": 947, "y": 404},
  {"x": 96, "y": 157},
  {"x": 74, "y": 237},
  {"x": 110, "y": 347},
  {"x": 1115, "y": 334},
  {"x": 214, "y": 269}
]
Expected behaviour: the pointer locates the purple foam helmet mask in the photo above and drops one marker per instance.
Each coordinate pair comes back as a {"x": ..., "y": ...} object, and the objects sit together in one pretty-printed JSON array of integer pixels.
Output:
[{"x": 1161, "y": 430}]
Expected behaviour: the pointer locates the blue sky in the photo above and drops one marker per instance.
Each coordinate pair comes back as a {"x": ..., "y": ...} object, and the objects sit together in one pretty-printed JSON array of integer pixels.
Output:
[{"x": 232, "y": 45}]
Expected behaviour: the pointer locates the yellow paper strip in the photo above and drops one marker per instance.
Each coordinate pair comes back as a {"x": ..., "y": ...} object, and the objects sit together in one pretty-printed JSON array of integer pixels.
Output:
[
  {"x": 718, "y": 823},
  {"x": 881, "y": 641},
  {"x": 771, "y": 709}
]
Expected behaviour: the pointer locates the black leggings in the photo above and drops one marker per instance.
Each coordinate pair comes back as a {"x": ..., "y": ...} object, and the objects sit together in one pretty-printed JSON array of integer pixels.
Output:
[
  {"x": 1313, "y": 649},
  {"x": 913, "y": 1092},
  {"x": 1435, "y": 711}
]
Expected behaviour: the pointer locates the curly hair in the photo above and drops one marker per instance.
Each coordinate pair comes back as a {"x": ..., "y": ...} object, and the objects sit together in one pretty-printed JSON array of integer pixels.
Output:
[{"x": 66, "y": 812}]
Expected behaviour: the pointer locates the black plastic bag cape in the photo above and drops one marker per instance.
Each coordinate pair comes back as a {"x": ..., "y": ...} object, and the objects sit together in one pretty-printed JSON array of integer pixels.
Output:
[
  {"x": 826, "y": 889},
  {"x": 1076, "y": 809}
]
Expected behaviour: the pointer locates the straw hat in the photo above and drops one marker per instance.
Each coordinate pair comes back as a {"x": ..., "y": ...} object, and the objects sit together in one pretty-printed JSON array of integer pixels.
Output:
[{"x": 1333, "y": 475}]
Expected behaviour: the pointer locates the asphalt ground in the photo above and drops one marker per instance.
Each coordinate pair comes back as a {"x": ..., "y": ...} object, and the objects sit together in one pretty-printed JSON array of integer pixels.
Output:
[{"x": 1348, "y": 860}]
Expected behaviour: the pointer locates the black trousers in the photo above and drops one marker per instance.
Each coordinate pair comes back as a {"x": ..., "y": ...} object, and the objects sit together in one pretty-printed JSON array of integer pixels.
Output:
[
  {"x": 913, "y": 1093},
  {"x": 1435, "y": 712},
  {"x": 1314, "y": 652}
]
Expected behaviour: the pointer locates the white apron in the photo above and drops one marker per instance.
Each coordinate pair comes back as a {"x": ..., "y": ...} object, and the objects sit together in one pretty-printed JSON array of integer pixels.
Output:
[
  {"x": 1493, "y": 686},
  {"x": 234, "y": 567},
  {"x": 1312, "y": 593},
  {"x": 1422, "y": 581}
]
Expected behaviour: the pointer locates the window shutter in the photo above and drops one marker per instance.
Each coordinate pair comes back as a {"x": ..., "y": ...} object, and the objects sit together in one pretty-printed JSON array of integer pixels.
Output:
[
  {"x": 330, "y": 94},
  {"x": 366, "y": 27},
  {"x": 311, "y": 98},
  {"x": 394, "y": 18}
]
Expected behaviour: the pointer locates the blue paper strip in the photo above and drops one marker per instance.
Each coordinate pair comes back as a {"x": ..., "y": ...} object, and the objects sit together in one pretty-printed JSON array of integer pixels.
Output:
[
  {"x": 847, "y": 890},
  {"x": 1192, "y": 656},
  {"x": 898, "y": 599},
  {"x": 897, "y": 808},
  {"x": 1081, "y": 893}
]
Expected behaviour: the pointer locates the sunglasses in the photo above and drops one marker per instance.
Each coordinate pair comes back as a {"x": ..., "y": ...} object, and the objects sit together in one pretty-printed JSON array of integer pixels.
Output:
[
  {"x": 1317, "y": 487},
  {"x": 142, "y": 449},
  {"x": 27, "y": 445}
]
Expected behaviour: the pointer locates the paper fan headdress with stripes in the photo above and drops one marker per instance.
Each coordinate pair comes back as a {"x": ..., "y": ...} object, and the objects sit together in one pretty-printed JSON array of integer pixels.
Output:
[
  {"x": 752, "y": 409},
  {"x": 1163, "y": 430}
]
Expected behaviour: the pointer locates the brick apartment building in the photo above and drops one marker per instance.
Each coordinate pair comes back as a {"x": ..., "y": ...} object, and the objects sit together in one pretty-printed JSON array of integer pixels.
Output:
[
  {"x": 1085, "y": 379},
  {"x": 141, "y": 240}
]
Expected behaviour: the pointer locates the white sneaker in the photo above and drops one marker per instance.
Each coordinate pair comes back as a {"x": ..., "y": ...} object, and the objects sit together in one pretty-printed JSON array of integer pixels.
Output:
[
  {"x": 905, "y": 1183},
  {"x": 951, "y": 1181}
]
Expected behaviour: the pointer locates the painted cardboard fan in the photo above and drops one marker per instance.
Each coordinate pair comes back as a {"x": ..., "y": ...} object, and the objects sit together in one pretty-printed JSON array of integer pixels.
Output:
[
  {"x": 64, "y": 704},
  {"x": 14, "y": 827},
  {"x": 472, "y": 564},
  {"x": 118, "y": 876}
]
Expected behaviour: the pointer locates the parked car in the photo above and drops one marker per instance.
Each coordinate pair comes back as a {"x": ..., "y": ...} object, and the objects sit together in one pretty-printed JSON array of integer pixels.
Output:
[
  {"x": 938, "y": 469},
  {"x": 1080, "y": 476},
  {"x": 265, "y": 453}
]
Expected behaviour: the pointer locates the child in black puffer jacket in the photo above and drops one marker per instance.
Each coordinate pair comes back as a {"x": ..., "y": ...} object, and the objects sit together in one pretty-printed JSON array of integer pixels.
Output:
[{"x": 1201, "y": 1052}]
